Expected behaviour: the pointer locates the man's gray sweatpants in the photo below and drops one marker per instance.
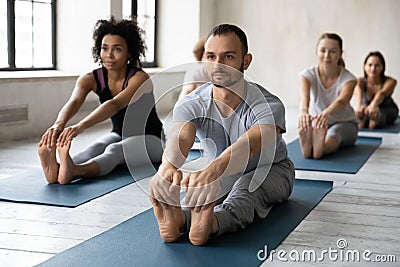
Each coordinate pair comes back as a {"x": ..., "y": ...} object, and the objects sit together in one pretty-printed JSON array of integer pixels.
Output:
[{"x": 241, "y": 207}]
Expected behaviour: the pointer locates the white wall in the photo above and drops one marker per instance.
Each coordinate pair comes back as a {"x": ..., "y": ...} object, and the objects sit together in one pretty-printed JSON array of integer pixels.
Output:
[{"x": 283, "y": 34}]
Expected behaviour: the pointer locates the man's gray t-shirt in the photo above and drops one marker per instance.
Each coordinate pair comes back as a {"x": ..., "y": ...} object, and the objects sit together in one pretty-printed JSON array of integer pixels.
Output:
[{"x": 259, "y": 107}]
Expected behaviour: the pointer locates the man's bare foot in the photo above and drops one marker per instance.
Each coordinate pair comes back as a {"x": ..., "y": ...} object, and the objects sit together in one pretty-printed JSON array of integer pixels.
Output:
[
  {"x": 67, "y": 166},
  {"x": 170, "y": 220},
  {"x": 49, "y": 162},
  {"x": 319, "y": 135},
  {"x": 203, "y": 224},
  {"x": 305, "y": 136}
]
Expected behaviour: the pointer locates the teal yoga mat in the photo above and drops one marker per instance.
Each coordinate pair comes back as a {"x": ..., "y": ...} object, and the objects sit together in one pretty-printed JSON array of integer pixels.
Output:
[
  {"x": 32, "y": 187},
  {"x": 346, "y": 160},
  {"x": 136, "y": 242},
  {"x": 393, "y": 128}
]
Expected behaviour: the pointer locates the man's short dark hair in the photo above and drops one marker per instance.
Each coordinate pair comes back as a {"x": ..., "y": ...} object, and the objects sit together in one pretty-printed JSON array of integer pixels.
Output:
[{"x": 229, "y": 28}]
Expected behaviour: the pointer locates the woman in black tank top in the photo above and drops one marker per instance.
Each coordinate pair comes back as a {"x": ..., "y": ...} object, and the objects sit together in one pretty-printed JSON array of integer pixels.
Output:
[
  {"x": 122, "y": 89},
  {"x": 375, "y": 107}
]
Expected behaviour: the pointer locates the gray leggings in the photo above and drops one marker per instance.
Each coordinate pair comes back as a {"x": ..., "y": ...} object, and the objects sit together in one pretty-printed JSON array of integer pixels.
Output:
[
  {"x": 110, "y": 151},
  {"x": 344, "y": 132},
  {"x": 241, "y": 207}
]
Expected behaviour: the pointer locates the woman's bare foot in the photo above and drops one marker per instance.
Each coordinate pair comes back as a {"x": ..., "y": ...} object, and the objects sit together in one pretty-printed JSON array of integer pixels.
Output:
[
  {"x": 67, "y": 166},
  {"x": 171, "y": 220},
  {"x": 203, "y": 224},
  {"x": 319, "y": 135},
  {"x": 372, "y": 124},
  {"x": 362, "y": 123},
  {"x": 305, "y": 136},
  {"x": 49, "y": 162}
]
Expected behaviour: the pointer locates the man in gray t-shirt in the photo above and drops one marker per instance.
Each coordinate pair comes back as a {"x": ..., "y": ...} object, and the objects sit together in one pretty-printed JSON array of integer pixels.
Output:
[{"x": 240, "y": 125}]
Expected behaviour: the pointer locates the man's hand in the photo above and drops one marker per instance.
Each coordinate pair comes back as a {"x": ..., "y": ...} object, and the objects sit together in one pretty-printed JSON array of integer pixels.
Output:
[
  {"x": 202, "y": 187},
  {"x": 165, "y": 186}
]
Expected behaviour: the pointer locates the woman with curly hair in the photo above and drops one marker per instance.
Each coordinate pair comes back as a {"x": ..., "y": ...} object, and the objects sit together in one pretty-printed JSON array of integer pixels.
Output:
[
  {"x": 124, "y": 91},
  {"x": 375, "y": 107}
]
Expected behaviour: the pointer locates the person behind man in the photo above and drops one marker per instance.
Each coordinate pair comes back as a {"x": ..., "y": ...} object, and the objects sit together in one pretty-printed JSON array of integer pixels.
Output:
[
  {"x": 375, "y": 106},
  {"x": 124, "y": 90},
  {"x": 326, "y": 121},
  {"x": 196, "y": 75},
  {"x": 241, "y": 124}
]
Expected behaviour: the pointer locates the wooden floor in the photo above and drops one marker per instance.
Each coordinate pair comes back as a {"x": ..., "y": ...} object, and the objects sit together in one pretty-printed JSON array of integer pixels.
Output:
[{"x": 363, "y": 209}]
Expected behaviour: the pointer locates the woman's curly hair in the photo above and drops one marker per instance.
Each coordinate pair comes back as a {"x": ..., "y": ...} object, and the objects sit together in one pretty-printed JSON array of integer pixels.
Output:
[{"x": 127, "y": 29}]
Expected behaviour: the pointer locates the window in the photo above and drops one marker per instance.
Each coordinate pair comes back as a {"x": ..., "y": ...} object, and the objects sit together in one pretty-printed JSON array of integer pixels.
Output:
[
  {"x": 146, "y": 12},
  {"x": 28, "y": 26}
]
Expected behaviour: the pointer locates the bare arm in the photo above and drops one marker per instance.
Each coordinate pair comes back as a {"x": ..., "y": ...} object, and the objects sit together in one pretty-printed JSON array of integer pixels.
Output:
[
  {"x": 236, "y": 157},
  {"x": 358, "y": 92},
  {"x": 341, "y": 101},
  {"x": 180, "y": 140},
  {"x": 187, "y": 89},
  {"x": 304, "y": 117},
  {"x": 165, "y": 185},
  {"x": 387, "y": 90},
  {"x": 83, "y": 86},
  {"x": 203, "y": 186},
  {"x": 107, "y": 109}
]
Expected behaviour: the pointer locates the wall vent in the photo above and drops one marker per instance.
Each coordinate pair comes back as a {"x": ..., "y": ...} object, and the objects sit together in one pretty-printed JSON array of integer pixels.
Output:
[{"x": 13, "y": 114}]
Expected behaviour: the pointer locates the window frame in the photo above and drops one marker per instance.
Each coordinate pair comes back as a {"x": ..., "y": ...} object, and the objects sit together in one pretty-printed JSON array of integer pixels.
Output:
[
  {"x": 134, "y": 8},
  {"x": 11, "y": 38}
]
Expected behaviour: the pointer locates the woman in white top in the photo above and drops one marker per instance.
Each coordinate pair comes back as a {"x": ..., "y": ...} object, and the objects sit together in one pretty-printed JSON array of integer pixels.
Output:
[
  {"x": 196, "y": 75},
  {"x": 326, "y": 121}
]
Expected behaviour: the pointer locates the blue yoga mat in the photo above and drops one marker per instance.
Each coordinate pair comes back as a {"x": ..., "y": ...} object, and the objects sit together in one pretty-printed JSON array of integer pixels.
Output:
[
  {"x": 137, "y": 242},
  {"x": 394, "y": 128},
  {"x": 346, "y": 160},
  {"x": 32, "y": 187}
]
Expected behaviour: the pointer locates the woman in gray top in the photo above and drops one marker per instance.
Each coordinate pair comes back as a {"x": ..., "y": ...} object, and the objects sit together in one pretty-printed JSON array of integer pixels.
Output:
[{"x": 326, "y": 121}]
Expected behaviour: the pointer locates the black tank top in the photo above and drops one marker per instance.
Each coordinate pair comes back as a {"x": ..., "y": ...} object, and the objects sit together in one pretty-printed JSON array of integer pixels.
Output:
[
  {"x": 142, "y": 117},
  {"x": 387, "y": 101}
]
